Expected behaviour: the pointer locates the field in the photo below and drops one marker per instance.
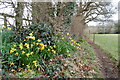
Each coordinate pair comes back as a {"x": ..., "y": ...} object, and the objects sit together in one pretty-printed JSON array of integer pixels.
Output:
[{"x": 108, "y": 42}]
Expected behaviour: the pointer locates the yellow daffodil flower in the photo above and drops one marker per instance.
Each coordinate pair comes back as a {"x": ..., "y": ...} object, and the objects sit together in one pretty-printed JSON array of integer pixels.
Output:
[
  {"x": 21, "y": 46},
  {"x": 37, "y": 43},
  {"x": 68, "y": 55},
  {"x": 31, "y": 34},
  {"x": 27, "y": 54},
  {"x": 51, "y": 47},
  {"x": 38, "y": 40},
  {"x": 25, "y": 40},
  {"x": 54, "y": 46},
  {"x": 14, "y": 45},
  {"x": 23, "y": 52},
  {"x": 11, "y": 63},
  {"x": 48, "y": 49},
  {"x": 31, "y": 53},
  {"x": 54, "y": 51},
  {"x": 33, "y": 38},
  {"x": 41, "y": 44},
  {"x": 34, "y": 62},
  {"x": 12, "y": 50},
  {"x": 30, "y": 37},
  {"x": 16, "y": 53},
  {"x": 25, "y": 44},
  {"x": 68, "y": 34},
  {"x": 62, "y": 37},
  {"x": 4, "y": 27},
  {"x": 45, "y": 45},
  {"x": 8, "y": 28},
  {"x": 42, "y": 48},
  {"x": 31, "y": 45},
  {"x": 36, "y": 65},
  {"x": 28, "y": 66}
]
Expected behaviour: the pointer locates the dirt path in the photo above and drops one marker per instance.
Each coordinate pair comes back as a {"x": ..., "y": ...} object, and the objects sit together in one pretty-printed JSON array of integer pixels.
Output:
[{"x": 107, "y": 66}]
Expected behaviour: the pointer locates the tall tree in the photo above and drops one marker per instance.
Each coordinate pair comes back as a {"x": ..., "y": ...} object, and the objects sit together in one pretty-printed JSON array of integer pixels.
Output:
[{"x": 19, "y": 15}]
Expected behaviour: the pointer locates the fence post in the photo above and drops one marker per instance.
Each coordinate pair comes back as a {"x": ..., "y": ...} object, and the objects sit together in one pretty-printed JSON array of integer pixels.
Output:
[
  {"x": 5, "y": 21},
  {"x": 93, "y": 37}
]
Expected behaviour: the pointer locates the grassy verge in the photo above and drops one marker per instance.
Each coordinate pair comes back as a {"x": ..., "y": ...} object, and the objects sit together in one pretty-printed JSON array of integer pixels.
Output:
[{"x": 108, "y": 42}]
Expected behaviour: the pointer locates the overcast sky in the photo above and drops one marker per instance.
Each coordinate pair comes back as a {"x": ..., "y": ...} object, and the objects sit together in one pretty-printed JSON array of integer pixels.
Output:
[
  {"x": 114, "y": 16},
  {"x": 9, "y": 10}
]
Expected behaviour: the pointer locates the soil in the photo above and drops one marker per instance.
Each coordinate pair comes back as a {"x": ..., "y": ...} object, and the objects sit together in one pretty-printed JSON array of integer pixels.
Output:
[{"x": 107, "y": 66}]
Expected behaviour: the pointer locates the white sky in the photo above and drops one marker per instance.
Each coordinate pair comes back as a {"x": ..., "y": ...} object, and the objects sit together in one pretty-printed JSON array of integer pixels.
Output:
[{"x": 114, "y": 17}]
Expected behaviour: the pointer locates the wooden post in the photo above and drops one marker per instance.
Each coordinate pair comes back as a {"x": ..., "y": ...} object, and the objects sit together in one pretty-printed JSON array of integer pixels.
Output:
[
  {"x": 94, "y": 38},
  {"x": 5, "y": 21}
]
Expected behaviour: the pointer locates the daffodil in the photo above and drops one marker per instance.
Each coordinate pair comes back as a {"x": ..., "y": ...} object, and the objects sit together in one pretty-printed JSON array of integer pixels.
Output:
[
  {"x": 12, "y": 50},
  {"x": 34, "y": 62},
  {"x": 26, "y": 45},
  {"x": 54, "y": 51},
  {"x": 31, "y": 45},
  {"x": 48, "y": 49},
  {"x": 8, "y": 28},
  {"x": 30, "y": 37},
  {"x": 51, "y": 47},
  {"x": 28, "y": 66},
  {"x": 4, "y": 27},
  {"x": 21, "y": 46},
  {"x": 37, "y": 43},
  {"x": 36, "y": 65},
  {"x": 68, "y": 34},
  {"x": 68, "y": 55},
  {"x": 45, "y": 45},
  {"x": 54, "y": 46},
  {"x": 72, "y": 40},
  {"x": 11, "y": 63},
  {"x": 31, "y": 34},
  {"x": 16, "y": 53},
  {"x": 23, "y": 52},
  {"x": 38, "y": 40},
  {"x": 27, "y": 54},
  {"x": 31, "y": 53},
  {"x": 33, "y": 38},
  {"x": 42, "y": 48},
  {"x": 41, "y": 44},
  {"x": 25, "y": 40},
  {"x": 62, "y": 37},
  {"x": 78, "y": 44},
  {"x": 14, "y": 45}
]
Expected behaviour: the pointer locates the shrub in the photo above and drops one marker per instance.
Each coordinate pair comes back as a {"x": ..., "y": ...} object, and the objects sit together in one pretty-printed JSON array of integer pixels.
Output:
[
  {"x": 7, "y": 35},
  {"x": 35, "y": 49}
]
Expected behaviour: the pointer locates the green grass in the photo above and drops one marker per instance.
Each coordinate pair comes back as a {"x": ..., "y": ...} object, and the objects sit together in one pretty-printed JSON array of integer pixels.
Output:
[{"x": 108, "y": 42}]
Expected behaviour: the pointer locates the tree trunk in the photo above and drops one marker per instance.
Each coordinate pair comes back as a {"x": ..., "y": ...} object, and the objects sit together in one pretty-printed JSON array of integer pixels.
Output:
[
  {"x": 40, "y": 12},
  {"x": 77, "y": 25},
  {"x": 19, "y": 14}
]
